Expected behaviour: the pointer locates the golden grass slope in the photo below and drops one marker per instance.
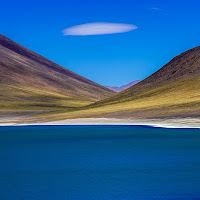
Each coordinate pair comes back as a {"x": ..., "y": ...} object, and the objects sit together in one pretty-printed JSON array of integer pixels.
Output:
[{"x": 177, "y": 99}]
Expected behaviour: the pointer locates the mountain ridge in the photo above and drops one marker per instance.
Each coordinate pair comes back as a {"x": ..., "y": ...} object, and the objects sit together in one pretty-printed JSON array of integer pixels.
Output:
[
  {"x": 31, "y": 77},
  {"x": 167, "y": 74}
]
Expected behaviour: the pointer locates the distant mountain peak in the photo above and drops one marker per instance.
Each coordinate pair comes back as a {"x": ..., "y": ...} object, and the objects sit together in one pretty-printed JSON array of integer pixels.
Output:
[{"x": 123, "y": 87}]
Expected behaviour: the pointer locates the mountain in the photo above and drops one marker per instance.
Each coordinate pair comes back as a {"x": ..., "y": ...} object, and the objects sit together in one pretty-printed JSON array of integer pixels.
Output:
[
  {"x": 181, "y": 69},
  {"x": 124, "y": 87},
  {"x": 30, "y": 81},
  {"x": 172, "y": 91}
]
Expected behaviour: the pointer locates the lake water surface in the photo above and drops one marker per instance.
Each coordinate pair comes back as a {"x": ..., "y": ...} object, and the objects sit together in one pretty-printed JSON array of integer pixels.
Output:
[{"x": 99, "y": 163}]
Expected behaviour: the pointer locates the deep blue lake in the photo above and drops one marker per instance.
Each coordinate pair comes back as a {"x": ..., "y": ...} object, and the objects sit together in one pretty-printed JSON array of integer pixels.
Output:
[{"x": 99, "y": 163}]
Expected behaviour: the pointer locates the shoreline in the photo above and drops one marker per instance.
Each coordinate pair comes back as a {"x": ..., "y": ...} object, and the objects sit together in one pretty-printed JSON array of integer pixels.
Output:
[{"x": 162, "y": 123}]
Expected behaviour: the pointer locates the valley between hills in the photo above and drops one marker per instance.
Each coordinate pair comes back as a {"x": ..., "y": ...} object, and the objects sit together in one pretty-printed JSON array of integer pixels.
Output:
[{"x": 46, "y": 91}]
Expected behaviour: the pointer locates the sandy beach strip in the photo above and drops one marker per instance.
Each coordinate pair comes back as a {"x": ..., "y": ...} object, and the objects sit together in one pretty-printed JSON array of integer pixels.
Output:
[{"x": 165, "y": 123}]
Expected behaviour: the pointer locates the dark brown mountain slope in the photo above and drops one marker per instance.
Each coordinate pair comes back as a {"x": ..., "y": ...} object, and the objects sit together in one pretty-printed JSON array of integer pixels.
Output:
[
  {"x": 30, "y": 81},
  {"x": 182, "y": 68}
]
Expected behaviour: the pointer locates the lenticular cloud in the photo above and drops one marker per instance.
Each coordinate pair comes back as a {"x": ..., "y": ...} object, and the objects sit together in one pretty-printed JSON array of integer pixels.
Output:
[{"x": 99, "y": 28}]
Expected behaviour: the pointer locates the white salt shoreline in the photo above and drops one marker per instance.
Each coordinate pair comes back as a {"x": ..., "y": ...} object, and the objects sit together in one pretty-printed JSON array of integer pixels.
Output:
[{"x": 164, "y": 123}]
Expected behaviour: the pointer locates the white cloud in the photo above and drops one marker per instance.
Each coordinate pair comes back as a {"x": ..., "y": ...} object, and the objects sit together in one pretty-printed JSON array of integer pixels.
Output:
[
  {"x": 155, "y": 8},
  {"x": 99, "y": 28}
]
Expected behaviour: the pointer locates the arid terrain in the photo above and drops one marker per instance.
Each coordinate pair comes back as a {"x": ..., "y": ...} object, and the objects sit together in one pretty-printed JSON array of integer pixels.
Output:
[{"x": 30, "y": 82}]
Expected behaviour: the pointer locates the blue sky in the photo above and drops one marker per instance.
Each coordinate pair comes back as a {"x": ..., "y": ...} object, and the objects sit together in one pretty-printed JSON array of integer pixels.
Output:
[{"x": 165, "y": 29}]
